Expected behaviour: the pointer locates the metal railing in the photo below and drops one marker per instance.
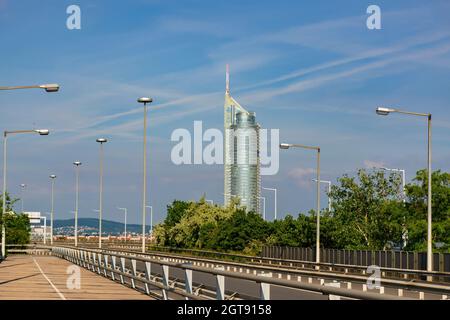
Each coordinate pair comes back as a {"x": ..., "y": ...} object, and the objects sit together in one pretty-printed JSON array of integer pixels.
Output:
[
  {"x": 123, "y": 267},
  {"x": 405, "y": 274},
  {"x": 27, "y": 249},
  {"x": 292, "y": 272},
  {"x": 396, "y": 259},
  {"x": 345, "y": 269}
]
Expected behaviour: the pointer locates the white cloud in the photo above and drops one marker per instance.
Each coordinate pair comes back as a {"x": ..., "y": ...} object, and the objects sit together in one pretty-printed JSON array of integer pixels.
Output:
[
  {"x": 369, "y": 164},
  {"x": 302, "y": 176}
]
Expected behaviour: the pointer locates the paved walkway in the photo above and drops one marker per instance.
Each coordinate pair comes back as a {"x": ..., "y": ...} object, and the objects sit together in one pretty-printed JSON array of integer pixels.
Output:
[{"x": 27, "y": 277}]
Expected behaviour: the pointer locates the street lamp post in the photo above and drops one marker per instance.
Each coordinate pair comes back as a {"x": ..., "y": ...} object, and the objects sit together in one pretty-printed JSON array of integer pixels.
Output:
[
  {"x": 386, "y": 111},
  {"x": 264, "y": 207},
  {"x": 125, "y": 211},
  {"x": 151, "y": 220},
  {"x": 45, "y": 229},
  {"x": 77, "y": 166},
  {"x": 144, "y": 100},
  {"x": 329, "y": 190},
  {"x": 22, "y": 188},
  {"x": 53, "y": 177},
  {"x": 287, "y": 146},
  {"x": 101, "y": 141},
  {"x": 96, "y": 210},
  {"x": 42, "y": 132},
  {"x": 275, "y": 190},
  {"x": 48, "y": 88},
  {"x": 53, "y": 87}
]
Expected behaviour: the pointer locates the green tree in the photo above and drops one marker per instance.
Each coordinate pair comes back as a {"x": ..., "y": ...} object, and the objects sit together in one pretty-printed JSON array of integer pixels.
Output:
[
  {"x": 17, "y": 228},
  {"x": 367, "y": 211},
  {"x": 239, "y": 231},
  {"x": 9, "y": 203},
  {"x": 417, "y": 193},
  {"x": 292, "y": 232},
  {"x": 175, "y": 212}
]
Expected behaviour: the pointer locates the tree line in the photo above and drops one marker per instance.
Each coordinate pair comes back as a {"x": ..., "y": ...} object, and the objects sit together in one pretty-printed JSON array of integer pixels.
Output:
[
  {"x": 17, "y": 225},
  {"x": 369, "y": 211}
]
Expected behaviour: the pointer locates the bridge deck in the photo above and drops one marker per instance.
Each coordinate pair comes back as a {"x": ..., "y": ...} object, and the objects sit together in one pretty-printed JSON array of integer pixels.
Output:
[{"x": 27, "y": 277}]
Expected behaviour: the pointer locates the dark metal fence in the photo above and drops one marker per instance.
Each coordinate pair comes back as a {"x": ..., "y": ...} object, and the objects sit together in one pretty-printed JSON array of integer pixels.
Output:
[{"x": 386, "y": 259}]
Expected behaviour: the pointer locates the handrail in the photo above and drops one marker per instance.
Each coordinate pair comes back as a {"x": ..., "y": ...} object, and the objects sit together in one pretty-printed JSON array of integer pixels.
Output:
[
  {"x": 327, "y": 275},
  {"x": 79, "y": 255},
  {"x": 279, "y": 260},
  {"x": 321, "y": 264},
  {"x": 325, "y": 264},
  {"x": 312, "y": 264}
]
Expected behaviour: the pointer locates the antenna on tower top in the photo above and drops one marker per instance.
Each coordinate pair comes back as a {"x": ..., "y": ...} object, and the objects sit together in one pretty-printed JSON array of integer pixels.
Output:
[{"x": 227, "y": 88}]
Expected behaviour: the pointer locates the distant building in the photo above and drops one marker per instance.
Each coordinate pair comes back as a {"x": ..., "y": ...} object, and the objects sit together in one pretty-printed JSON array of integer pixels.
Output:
[
  {"x": 39, "y": 226},
  {"x": 242, "y": 177}
]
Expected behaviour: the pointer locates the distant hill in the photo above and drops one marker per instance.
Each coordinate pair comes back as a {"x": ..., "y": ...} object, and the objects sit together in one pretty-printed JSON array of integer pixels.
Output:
[{"x": 90, "y": 225}]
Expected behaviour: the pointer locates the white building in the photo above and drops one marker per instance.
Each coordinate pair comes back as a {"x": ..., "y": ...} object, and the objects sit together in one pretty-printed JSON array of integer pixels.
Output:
[
  {"x": 242, "y": 176},
  {"x": 39, "y": 229}
]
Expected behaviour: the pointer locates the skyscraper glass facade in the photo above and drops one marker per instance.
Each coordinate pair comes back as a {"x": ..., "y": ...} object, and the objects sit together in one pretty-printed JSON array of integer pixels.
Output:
[{"x": 242, "y": 177}]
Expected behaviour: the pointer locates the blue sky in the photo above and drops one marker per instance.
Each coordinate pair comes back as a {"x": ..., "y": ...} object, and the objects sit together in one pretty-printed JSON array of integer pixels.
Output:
[{"x": 310, "y": 68}]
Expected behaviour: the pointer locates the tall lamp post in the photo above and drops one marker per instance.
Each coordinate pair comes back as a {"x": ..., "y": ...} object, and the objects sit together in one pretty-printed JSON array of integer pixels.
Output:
[
  {"x": 125, "y": 211},
  {"x": 96, "y": 210},
  {"x": 382, "y": 111},
  {"x": 151, "y": 220},
  {"x": 144, "y": 100},
  {"x": 42, "y": 132},
  {"x": 264, "y": 207},
  {"x": 287, "y": 146},
  {"x": 53, "y": 177},
  {"x": 48, "y": 88},
  {"x": 22, "y": 188},
  {"x": 45, "y": 228},
  {"x": 77, "y": 165},
  {"x": 329, "y": 190},
  {"x": 101, "y": 141},
  {"x": 275, "y": 190}
]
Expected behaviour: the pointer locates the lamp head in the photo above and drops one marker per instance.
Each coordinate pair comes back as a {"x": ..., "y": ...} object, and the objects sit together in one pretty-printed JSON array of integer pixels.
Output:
[
  {"x": 52, "y": 176},
  {"x": 53, "y": 87},
  {"x": 42, "y": 132},
  {"x": 382, "y": 111},
  {"x": 77, "y": 163},
  {"x": 101, "y": 140},
  {"x": 23, "y": 185},
  {"x": 285, "y": 145},
  {"x": 144, "y": 100}
]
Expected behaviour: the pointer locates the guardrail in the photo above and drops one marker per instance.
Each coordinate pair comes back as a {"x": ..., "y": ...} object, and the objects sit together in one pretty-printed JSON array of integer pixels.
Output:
[
  {"x": 346, "y": 279},
  {"x": 393, "y": 273},
  {"x": 406, "y": 274},
  {"x": 28, "y": 249},
  {"x": 113, "y": 265},
  {"x": 384, "y": 258},
  {"x": 420, "y": 287}
]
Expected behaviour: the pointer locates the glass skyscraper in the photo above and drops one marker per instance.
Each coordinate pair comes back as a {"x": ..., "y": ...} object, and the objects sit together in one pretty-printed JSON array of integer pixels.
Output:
[{"x": 242, "y": 177}]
